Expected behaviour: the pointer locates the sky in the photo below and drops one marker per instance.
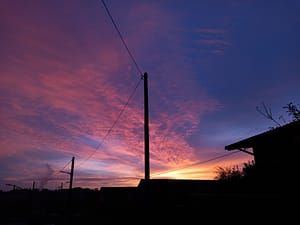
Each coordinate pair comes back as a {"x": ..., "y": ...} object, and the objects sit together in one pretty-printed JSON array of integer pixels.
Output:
[{"x": 71, "y": 85}]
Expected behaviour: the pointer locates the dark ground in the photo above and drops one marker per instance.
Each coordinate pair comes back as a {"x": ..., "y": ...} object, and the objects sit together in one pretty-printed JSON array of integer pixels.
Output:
[{"x": 26, "y": 207}]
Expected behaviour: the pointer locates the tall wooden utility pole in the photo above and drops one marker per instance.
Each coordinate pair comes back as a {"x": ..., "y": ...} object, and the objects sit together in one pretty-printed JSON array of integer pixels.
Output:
[{"x": 146, "y": 128}]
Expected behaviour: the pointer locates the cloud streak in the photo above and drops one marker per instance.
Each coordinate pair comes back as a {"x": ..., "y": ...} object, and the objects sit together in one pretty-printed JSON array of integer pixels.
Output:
[{"x": 66, "y": 77}]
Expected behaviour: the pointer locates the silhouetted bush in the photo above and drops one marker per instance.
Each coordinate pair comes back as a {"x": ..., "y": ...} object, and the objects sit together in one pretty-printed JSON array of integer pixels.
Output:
[{"x": 235, "y": 173}]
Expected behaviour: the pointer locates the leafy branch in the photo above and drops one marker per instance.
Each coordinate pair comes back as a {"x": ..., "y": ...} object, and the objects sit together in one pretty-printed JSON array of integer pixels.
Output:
[{"x": 293, "y": 111}]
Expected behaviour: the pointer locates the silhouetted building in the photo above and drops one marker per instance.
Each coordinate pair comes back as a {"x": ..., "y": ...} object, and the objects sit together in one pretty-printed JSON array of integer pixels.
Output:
[{"x": 275, "y": 154}]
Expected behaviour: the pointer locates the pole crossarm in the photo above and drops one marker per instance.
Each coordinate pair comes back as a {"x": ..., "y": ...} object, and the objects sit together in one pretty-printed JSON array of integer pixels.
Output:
[{"x": 65, "y": 172}]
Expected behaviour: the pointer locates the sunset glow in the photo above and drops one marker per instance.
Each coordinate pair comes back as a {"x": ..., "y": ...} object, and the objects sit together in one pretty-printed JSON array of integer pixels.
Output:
[{"x": 69, "y": 88}]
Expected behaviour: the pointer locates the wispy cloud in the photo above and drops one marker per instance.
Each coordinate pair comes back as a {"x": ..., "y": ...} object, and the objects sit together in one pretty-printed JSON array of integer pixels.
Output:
[
  {"x": 213, "y": 40},
  {"x": 63, "y": 88},
  {"x": 211, "y": 31}
]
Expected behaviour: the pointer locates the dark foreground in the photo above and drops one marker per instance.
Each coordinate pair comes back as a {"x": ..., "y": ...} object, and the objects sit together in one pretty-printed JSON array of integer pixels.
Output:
[{"x": 133, "y": 207}]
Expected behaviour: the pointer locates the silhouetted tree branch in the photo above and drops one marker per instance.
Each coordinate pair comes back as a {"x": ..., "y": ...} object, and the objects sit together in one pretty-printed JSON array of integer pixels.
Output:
[
  {"x": 267, "y": 113},
  {"x": 293, "y": 111}
]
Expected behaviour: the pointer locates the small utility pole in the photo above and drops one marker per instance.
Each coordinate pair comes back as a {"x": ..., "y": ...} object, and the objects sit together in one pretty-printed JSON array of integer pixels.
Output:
[
  {"x": 72, "y": 173},
  {"x": 68, "y": 214},
  {"x": 14, "y": 186}
]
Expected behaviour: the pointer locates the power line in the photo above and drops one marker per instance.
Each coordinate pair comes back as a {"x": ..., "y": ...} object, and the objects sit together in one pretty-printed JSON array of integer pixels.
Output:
[
  {"x": 114, "y": 123},
  {"x": 201, "y": 162},
  {"x": 215, "y": 158},
  {"x": 126, "y": 104},
  {"x": 66, "y": 164},
  {"x": 58, "y": 171},
  {"x": 124, "y": 107},
  {"x": 48, "y": 177},
  {"x": 122, "y": 39}
]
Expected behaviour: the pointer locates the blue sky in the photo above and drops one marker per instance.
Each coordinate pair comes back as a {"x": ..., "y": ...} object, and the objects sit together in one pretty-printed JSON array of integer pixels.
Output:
[{"x": 66, "y": 78}]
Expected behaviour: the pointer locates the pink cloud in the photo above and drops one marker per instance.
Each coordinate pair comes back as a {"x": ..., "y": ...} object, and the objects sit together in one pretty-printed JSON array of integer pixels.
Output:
[{"x": 65, "y": 89}]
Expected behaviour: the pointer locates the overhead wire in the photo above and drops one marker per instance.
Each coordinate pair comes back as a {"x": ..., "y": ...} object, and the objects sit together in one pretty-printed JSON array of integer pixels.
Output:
[
  {"x": 198, "y": 163},
  {"x": 114, "y": 123},
  {"x": 132, "y": 93},
  {"x": 128, "y": 100},
  {"x": 142, "y": 76},
  {"x": 130, "y": 97},
  {"x": 122, "y": 39},
  {"x": 57, "y": 171}
]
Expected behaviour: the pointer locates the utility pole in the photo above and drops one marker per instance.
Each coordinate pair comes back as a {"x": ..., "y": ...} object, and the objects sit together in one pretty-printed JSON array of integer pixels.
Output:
[
  {"x": 146, "y": 128},
  {"x": 14, "y": 186},
  {"x": 72, "y": 173},
  {"x": 68, "y": 213}
]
